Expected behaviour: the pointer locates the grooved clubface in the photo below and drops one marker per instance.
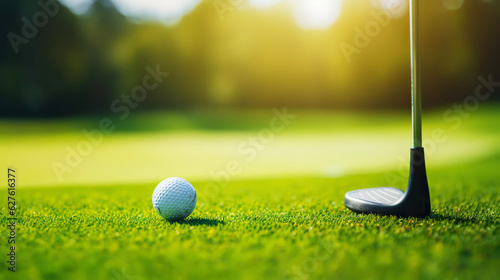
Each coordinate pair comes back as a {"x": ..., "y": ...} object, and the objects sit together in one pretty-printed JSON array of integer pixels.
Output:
[
  {"x": 174, "y": 199},
  {"x": 386, "y": 195}
]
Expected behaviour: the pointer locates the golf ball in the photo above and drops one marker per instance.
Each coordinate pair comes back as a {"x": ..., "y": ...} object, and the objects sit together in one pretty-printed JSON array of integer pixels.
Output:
[{"x": 174, "y": 199}]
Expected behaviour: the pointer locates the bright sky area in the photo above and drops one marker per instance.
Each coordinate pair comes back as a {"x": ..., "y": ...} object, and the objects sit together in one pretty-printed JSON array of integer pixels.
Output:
[{"x": 317, "y": 14}]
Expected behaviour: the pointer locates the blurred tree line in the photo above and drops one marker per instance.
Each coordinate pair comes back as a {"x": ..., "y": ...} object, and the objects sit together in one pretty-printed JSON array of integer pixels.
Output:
[{"x": 75, "y": 65}]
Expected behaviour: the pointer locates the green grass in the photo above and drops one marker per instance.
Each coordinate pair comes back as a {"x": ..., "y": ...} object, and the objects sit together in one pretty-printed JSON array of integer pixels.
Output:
[
  {"x": 98, "y": 223},
  {"x": 151, "y": 146},
  {"x": 261, "y": 229}
]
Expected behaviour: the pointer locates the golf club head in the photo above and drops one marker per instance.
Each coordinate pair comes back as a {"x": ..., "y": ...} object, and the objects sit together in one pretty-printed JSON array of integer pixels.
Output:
[{"x": 415, "y": 202}]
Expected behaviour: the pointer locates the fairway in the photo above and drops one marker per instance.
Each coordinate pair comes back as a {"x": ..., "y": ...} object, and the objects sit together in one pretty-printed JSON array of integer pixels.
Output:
[
  {"x": 195, "y": 145},
  {"x": 262, "y": 229},
  {"x": 289, "y": 226}
]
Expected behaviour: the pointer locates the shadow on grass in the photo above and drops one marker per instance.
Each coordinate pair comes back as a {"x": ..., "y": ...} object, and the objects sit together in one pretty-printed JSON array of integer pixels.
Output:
[
  {"x": 200, "y": 222},
  {"x": 461, "y": 220}
]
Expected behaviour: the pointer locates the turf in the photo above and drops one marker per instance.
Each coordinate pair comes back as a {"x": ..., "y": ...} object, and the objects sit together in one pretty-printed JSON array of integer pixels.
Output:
[
  {"x": 149, "y": 146},
  {"x": 261, "y": 229}
]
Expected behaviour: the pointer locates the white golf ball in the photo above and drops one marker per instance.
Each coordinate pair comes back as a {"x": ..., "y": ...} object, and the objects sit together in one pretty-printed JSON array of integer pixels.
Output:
[{"x": 174, "y": 199}]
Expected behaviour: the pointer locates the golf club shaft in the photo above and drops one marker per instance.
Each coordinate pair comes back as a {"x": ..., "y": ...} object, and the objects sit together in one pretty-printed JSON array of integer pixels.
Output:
[{"x": 416, "y": 96}]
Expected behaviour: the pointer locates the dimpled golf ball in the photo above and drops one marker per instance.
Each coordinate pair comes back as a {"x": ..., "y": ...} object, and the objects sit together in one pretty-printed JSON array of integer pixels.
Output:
[{"x": 174, "y": 199}]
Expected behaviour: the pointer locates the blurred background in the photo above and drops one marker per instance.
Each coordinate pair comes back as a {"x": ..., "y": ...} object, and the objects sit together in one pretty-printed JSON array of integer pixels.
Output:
[
  {"x": 65, "y": 63},
  {"x": 246, "y": 53}
]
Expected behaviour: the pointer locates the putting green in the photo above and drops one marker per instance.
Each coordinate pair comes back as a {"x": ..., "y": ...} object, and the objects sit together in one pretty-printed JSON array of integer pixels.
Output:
[{"x": 150, "y": 147}]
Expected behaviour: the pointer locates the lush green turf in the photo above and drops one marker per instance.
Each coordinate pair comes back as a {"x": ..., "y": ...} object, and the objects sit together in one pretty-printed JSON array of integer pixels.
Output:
[
  {"x": 292, "y": 227},
  {"x": 150, "y": 146},
  {"x": 272, "y": 229}
]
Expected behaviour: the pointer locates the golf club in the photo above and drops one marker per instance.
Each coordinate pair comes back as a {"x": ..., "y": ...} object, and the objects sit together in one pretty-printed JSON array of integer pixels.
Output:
[{"x": 415, "y": 202}]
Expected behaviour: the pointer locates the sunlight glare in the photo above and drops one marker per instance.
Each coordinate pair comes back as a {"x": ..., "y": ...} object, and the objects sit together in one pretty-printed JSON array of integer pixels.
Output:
[
  {"x": 317, "y": 14},
  {"x": 263, "y": 4},
  {"x": 397, "y": 8},
  {"x": 77, "y": 6},
  {"x": 164, "y": 11}
]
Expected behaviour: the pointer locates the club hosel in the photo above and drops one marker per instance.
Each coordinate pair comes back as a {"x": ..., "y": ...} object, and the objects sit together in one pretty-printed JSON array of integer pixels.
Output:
[
  {"x": 417, "y": 157},
  {"x": 418, "y": 187}
]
